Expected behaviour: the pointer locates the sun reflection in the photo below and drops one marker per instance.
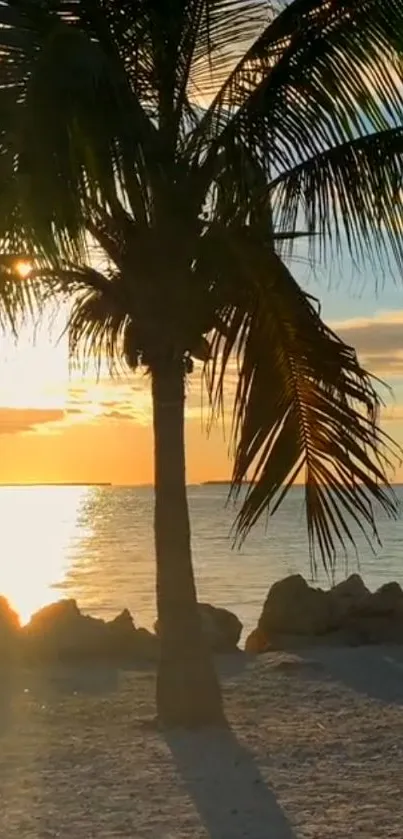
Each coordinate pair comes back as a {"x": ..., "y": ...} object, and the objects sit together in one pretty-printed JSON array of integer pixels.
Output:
[{"x": 38, "y": 527}]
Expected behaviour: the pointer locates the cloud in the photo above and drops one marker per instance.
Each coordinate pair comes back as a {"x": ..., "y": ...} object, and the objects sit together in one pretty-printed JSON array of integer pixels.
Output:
[
  {"x": 17, "y": 420},
  {"x": 129, "y": 397},
  {"x": 378, "y": 341},
  {"x": 381, "y": 334},
  {"x": 118, "y": 415},
  {"x": 387, "y": 366}
]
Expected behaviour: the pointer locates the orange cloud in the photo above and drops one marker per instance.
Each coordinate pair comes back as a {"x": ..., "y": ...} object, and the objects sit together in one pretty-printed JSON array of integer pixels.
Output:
[{"x": 17, "y": 420}]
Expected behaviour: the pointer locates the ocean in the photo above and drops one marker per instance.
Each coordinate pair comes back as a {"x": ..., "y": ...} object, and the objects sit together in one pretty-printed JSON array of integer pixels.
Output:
[{"x": 95, "y": 544}]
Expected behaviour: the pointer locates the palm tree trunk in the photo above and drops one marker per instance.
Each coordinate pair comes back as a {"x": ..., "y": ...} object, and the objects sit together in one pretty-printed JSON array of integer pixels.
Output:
[{"x": 188, "y": 692}]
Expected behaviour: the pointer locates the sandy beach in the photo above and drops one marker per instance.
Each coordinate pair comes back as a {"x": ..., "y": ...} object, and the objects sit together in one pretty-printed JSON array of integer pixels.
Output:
[{"x": 315, "y": 751}]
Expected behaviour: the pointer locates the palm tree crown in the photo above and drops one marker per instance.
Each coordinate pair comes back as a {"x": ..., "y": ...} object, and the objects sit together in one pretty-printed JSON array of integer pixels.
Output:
[{"x": 192, "y": 142}]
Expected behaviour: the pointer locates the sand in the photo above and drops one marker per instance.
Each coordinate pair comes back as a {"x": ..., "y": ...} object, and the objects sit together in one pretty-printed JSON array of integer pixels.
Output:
[{"x": 315, "y": 752}]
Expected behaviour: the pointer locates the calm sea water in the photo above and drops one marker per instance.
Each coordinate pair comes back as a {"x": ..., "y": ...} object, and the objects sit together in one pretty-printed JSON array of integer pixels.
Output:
[{"x": 96, "y": 544}]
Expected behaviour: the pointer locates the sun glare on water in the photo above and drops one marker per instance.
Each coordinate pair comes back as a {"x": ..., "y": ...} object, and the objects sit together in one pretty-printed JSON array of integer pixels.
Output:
[{"x": 39, "y": 525}]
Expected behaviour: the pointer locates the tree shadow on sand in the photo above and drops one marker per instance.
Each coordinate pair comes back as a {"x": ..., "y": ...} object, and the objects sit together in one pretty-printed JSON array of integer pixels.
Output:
[
  {"x": 374, "y": 671},
  {"x": 226, "y": 786}
]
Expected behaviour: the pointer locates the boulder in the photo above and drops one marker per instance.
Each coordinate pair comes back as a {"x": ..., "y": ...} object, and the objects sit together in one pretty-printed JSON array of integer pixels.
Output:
[
  {"x": 146, "y": 646},
  {"x": 61, "y": 632},
  {"x": 292, "y": 607},
  {"x": 296, "y": 614},
  {"x": 221, "y": 628},
  {"x": 386, "y": 600},
  {"x": 120, "y": 633},
  {"x": 257, "y": 642},
  {"x": 9, "y": 620},
  {"x": 126, "y": 643},
  {"x": 352, "y": 590},
  {"x": 9, "y": 630},
  {"x": 344, "y": 598},
  {"x": 378, "y": 617},
  {"x": 375, "y": 629}
]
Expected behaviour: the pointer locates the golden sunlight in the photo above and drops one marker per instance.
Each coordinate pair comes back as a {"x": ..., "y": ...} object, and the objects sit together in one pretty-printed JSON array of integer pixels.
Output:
[
  {"x": 23, "y": 268},
  {"x": 34, "y": 369},
  {"x": 38, "y": 527}
]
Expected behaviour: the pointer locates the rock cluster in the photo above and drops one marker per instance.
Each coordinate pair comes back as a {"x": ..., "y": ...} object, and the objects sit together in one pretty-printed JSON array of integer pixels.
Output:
[
  {"x": 348, "y": 613},
  {"x": 61, "y": 632}
]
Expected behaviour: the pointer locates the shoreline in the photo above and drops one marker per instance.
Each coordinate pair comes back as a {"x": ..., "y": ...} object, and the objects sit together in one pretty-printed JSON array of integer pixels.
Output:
[{"x": 293, "y": 615}]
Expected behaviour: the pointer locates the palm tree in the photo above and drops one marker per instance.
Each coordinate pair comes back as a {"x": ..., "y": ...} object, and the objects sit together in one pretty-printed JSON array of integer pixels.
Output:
[{"x": 193, "y": 142}]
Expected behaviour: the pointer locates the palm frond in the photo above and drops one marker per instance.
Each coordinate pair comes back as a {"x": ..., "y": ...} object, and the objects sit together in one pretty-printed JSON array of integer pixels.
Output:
[
  {"x": 95, "y": 330},
  {"x": 339, "y": 61},
  {"x": 350, "y": 194},
  {"x": 321, "y": 76},
  {"x": 63, "y": 152},
  {"x": 227, "y": 28},
  {"x": 303, "y": 407}
]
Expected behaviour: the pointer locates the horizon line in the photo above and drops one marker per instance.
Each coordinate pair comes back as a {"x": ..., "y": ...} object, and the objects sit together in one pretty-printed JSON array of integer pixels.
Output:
[{"x": 145, "y": 485}]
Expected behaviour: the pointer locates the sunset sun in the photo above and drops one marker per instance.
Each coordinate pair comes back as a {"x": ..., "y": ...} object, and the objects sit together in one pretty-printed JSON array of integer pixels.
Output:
[{"x": 23, "y": 268}]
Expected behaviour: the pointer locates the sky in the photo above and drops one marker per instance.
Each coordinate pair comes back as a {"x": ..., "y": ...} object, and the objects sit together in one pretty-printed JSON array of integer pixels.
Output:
[{"x": 59, "y": 426}]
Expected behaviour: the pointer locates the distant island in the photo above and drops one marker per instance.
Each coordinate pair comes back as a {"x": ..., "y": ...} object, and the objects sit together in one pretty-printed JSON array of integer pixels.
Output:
[{"x": 221, "y": 483}]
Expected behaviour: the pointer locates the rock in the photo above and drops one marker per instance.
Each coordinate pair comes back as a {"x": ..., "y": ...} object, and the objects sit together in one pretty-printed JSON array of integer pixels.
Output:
[
  {"x": 9, "y": 620},
  {"x": 386, "y": 600},
  {"x": 146, "y": 645},
  {"x": 352, "y": 590},
  {"x": 54, "y": 617},
  {"x": 120, "y": 632},
  {"x": 221, "y": 627},
  {"x": 61, "y": 632},
  {"x": 293, "y": 607},
  {"x": 296, "y": 615},
  {"x": 257, "y": 642},
  {"x": 9, "y": 630},
  {"x": 378, "y": 617},
  {"x": 375, "y": 629},
  {"x": 127, "y": 643},
  {"x": 345, "y": 597}
]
